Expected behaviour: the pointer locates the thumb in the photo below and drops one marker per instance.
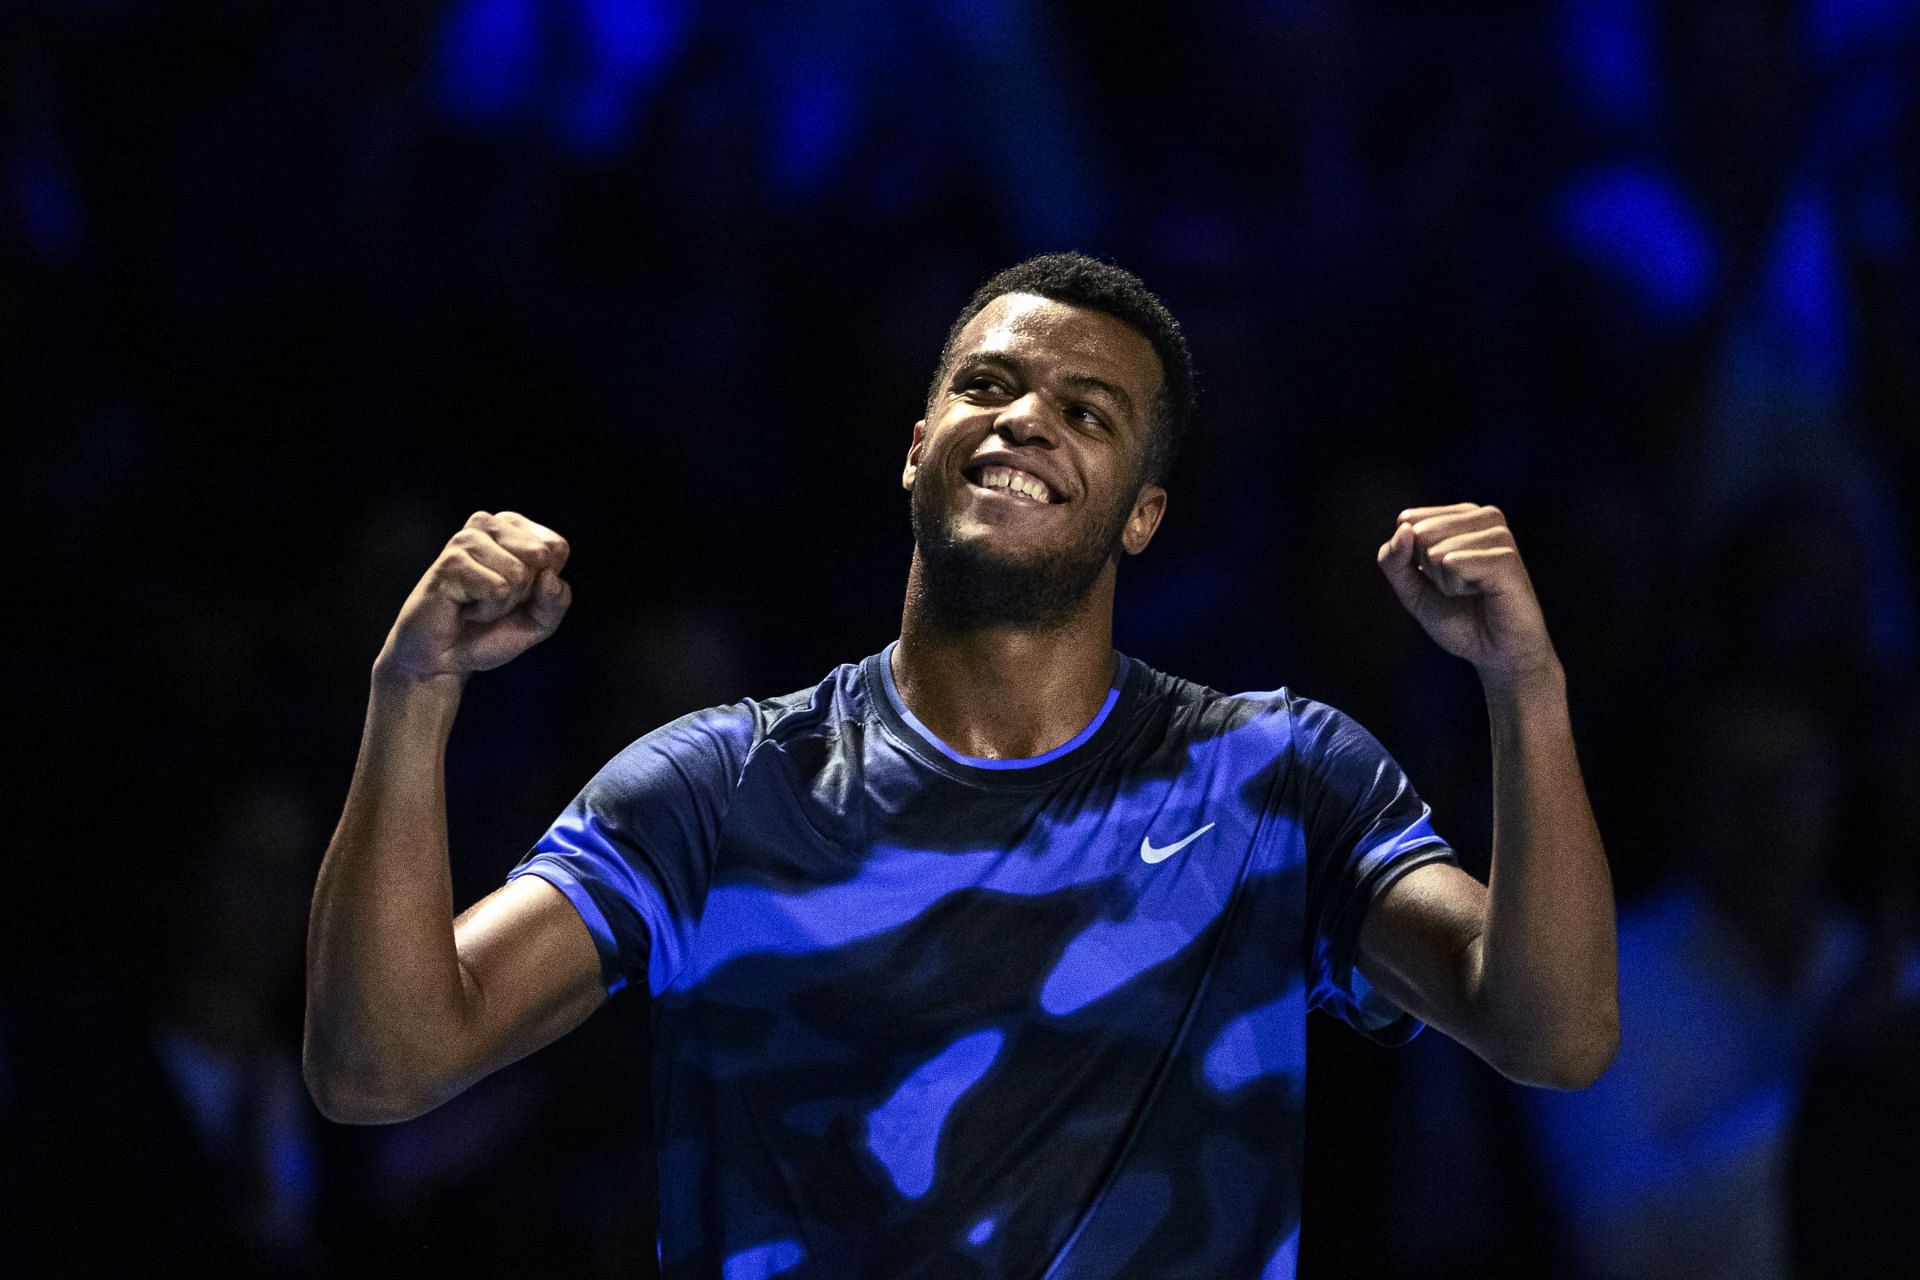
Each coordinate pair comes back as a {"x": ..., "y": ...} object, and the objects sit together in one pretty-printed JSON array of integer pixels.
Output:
[{"x": 1396, "y": 561}]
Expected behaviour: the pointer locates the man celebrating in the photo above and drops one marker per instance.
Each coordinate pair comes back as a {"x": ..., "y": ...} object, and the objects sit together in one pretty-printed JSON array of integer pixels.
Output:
[{"x": 991, "y": 954}]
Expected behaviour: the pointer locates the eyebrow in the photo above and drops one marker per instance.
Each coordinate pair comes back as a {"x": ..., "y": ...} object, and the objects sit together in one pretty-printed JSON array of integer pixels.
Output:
[{"x": 1077, "y": 381}]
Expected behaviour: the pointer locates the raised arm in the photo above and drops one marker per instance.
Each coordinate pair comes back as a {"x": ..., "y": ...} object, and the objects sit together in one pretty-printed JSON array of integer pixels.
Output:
[
  {"x": 407, "y": 1006},
  {"x": 1522, "y": 970}
]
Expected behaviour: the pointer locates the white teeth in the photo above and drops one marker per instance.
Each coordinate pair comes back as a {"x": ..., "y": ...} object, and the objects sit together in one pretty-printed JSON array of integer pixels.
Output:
[{"x": 1016, "y": 481}]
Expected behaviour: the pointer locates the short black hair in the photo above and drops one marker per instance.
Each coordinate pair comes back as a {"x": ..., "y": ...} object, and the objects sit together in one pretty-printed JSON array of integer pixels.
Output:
[{"x": 1080, "y": 281}]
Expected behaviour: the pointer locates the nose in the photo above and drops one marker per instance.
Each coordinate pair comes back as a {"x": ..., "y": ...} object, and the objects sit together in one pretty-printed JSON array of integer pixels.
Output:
[{"x": 1029, "y": 420}]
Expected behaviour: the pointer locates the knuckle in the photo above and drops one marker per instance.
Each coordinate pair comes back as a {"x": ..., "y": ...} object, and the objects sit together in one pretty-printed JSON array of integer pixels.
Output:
[
  {"x": 478, "y": 519},
  {"x": 447, "y": 580}
]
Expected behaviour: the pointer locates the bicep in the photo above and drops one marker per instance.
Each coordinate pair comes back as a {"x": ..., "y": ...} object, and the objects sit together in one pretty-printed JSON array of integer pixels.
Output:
[
  {"x": 1420, "y": 946},
  {"x": 531, "y": 972}
]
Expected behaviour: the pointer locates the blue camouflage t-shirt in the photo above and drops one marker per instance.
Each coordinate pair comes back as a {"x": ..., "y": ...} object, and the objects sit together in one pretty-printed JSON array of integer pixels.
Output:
[{"x": 922, "y": 1014}]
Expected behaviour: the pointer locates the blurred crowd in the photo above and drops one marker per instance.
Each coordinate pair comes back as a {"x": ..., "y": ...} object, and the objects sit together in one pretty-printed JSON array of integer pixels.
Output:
[{"x": 288, "y": 289}]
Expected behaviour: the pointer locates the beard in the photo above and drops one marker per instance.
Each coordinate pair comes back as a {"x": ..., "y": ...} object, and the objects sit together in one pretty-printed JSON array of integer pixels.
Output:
[{"x": 969, "y": 587}]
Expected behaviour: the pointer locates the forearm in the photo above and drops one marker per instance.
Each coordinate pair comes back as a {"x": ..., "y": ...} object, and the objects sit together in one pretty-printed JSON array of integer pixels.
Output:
[
  {"x": 386, "y": 998},
  {"x": 1547, "y": 968}
]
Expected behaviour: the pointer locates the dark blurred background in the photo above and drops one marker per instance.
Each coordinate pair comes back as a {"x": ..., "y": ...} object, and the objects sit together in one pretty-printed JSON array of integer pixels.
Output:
[{"x": 288, "y": 289}]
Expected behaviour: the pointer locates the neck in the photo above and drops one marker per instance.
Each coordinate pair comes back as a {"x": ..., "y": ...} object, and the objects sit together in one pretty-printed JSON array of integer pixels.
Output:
[{"x": 1005, "y": 692}]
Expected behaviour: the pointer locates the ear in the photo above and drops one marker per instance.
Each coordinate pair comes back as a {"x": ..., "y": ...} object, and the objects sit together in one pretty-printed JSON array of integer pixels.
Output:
[
  {"x": 1145, "y": 518},
  {"x": 914, "y": 453}
]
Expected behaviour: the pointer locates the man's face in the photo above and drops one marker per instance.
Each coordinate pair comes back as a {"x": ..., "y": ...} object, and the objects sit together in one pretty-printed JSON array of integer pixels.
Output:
[{"x": 1027, "y": 475}]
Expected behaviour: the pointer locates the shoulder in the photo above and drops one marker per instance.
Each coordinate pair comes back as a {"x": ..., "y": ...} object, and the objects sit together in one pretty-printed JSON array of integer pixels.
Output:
[
  {"x": 717, "y": 743},
  {"x": 1308, "y": 744},
  {"x": 820, "y": 710},
  {"x": 1277, "y": 717}
]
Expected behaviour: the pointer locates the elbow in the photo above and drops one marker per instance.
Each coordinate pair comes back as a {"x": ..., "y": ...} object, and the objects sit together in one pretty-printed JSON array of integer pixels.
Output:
[
  {"x": 1572, "y": 1071},
  {"x": 346, "y": 1094},
  {"x": 1568, "y": 1062},
  {"x": 341, "y": 1103}
]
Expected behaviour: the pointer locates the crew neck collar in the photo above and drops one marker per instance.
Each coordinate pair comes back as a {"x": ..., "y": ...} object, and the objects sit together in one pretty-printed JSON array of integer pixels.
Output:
[{"x": 1083, "y": 746}]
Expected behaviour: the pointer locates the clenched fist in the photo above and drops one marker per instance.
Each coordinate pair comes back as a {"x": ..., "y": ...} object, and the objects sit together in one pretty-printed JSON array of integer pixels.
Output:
[
  {"x": 1458, "y": 572},
  {"x": 494, "y": 592}
]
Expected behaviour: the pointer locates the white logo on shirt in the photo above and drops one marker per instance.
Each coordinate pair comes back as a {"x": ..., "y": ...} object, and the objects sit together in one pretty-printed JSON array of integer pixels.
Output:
[{"x": 1150, "y": 854}]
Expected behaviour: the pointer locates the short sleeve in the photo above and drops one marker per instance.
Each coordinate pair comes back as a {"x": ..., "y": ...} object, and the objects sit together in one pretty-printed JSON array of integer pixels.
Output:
[
  {"x": 634, "y": 852},
  {"x": 1364, "y": 828}
]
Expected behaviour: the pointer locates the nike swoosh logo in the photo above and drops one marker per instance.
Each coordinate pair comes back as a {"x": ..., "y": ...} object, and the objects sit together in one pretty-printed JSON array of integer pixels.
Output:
[{"x": 1150, "y": 854}]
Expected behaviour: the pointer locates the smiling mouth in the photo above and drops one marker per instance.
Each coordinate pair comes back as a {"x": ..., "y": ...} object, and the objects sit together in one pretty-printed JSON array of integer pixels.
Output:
[{"x": 1013, "y": 482}]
